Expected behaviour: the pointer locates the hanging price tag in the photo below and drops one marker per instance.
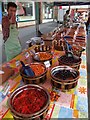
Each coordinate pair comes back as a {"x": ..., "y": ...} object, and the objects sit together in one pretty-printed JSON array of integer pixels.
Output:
[
  {"x": 47, "y": 64},
  {"x": 26, "y": 54}
]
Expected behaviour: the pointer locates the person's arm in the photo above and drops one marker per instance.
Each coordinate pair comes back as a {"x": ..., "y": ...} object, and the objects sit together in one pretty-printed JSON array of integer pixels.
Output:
[
  {"x": 69, "y": 8},
  {"x": 5, "y": 28}
]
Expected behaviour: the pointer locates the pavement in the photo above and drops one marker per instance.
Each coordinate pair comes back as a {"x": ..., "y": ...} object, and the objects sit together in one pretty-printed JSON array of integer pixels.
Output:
[{"x": 26, "y": 33}]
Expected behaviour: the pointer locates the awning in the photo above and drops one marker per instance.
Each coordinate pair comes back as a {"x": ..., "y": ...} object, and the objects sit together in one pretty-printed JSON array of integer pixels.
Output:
[{"x": 70, "y": 3}]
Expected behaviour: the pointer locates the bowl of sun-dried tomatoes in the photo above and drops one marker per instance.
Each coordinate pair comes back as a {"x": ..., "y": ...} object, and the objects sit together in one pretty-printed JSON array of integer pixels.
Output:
[
  {"x": 42, "y": 57},
  {"x": 29, "y": 102},
  {"x": 40, "y": 72}
]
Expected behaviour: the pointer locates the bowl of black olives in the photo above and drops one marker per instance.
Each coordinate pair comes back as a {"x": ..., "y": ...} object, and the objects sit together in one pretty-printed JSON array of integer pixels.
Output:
[
  {"x": 71, "y": 60},
  {"x": 64, "y": 77}
]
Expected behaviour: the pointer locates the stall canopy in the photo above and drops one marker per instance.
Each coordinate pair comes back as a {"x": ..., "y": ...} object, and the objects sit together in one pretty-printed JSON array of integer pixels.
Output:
[
  {"x": 71, "y": 3},
  {"x": 67, "y": 3}
]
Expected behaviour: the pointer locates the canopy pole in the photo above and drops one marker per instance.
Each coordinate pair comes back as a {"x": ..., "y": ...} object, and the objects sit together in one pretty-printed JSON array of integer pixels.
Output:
[{"x": 37, "y": 16}]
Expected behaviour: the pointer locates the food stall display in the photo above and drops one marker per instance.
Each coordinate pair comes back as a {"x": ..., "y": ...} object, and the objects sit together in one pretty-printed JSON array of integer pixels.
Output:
[{"x": 67, "y": 86}]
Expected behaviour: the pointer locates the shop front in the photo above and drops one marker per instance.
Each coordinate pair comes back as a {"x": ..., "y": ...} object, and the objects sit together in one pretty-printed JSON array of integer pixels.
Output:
[
  {"x": 47, "y": 12},
  {"x": 25, "y": 11}
]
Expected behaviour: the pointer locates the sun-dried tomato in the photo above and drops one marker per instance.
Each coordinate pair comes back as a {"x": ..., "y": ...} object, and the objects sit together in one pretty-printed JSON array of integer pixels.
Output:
[{"x": 29, "y": 101}]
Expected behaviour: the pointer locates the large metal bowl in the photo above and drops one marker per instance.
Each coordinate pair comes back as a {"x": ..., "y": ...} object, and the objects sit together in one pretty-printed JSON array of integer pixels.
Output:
[{"x": 37, "y": 115}]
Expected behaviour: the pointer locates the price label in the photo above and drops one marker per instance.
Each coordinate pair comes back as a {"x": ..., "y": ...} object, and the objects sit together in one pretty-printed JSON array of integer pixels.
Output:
[
  {"x": 17, "y": 63},
  {"x": 1, "y": 72},
  {"x": 6, "y": 89},
  {"x": 26, "y": 54},
  {"x": 47, "y": 64},
  {"x": 75, "y": 32}
]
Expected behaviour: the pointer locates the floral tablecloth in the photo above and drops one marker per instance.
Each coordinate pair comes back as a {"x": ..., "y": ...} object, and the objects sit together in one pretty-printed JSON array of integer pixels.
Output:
[{"x": 67, "y": 104}]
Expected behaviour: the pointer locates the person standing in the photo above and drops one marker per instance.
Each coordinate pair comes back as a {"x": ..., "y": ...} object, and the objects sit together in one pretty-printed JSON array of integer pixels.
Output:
[
  {"x": 67, "y": 18},
  {"x": 72, "y": 15},
  {"x": 10, "y": 32},
  {"x": 76, "y": 16},
  {"x": 88, "y": 24}
]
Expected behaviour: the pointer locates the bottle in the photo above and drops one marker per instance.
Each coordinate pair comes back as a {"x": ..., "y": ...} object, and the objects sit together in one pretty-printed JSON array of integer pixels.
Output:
[{"x": 27, "y": 70}]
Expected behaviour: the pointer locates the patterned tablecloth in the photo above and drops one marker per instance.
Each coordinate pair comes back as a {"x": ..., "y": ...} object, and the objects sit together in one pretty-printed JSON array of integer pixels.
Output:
[{"x": 68, "y": 104}]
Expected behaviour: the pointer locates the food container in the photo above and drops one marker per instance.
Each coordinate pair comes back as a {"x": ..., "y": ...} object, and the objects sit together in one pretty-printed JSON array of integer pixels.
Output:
[
  {"x": 42, "y": 57},
  {"x": 29, "y": 102},
  {"x": 42, "y": 48},
  {"x": 72, "y": 61},
  {"x": 59, "y": 45},
  {"x": 48, "y": 38},
  {"x": 35, "y": 41},
  {"x": 76, "y": 48},
  {"x": 40, "y": 74},
  {"x": 64, "y": 77},
  {"x": 81, "y": 43},
  {"x": 58, "y": 35},
  {"x": 75, "y": 26}
]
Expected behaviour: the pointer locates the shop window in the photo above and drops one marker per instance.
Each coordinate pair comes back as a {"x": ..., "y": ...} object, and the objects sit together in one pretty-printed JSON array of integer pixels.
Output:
[
  {"x": 47, "y": 12},
  {"x": 27, "y": 13}
]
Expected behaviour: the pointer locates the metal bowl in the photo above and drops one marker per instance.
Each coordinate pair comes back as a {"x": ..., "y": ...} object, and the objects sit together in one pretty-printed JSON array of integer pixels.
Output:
[
  {"x": 64, "y": 77},
  {"x": 37, "y": 115},
  {"x": 36, "y": 79}
]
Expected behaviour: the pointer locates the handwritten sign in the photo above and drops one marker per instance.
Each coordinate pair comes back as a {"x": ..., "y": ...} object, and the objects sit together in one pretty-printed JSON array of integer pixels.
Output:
[
  {"x": 26, "y": 54},
  {"x": 17, "y": 63},
  {"x": 47, "y": 64}
]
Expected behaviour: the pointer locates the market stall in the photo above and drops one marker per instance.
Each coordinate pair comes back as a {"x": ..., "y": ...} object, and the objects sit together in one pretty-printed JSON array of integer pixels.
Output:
[{"x": 68, "y": 99}]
